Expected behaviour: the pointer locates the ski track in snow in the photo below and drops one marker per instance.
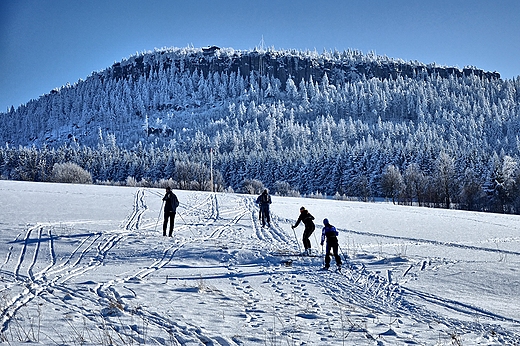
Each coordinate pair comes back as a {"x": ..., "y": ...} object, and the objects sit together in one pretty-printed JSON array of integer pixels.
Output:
[
  {"x": 273, "y": 294},
  {"x": 433, "y": 242}
]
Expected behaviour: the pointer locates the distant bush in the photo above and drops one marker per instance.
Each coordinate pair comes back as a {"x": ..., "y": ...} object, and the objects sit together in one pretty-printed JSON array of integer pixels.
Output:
[
  {"x": 252, "y": 186},
  {"x": 282, "y": 188},
  {"x": 70, "y": 173},
  {"x": 163, "y": 183},
  {"x": 130, "y": 181}
]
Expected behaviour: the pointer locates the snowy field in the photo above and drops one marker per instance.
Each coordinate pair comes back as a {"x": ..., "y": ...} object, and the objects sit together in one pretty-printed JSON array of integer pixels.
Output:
[{"x": 88, "y": 265}]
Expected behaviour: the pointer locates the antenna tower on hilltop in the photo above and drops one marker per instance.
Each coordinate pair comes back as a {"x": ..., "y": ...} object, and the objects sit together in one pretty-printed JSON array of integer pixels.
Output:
[{"x": 262, "y": 44}]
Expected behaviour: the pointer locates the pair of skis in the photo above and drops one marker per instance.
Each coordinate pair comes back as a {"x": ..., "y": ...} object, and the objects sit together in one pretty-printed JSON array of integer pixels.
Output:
[
  {"x": 338, "y": 269},
  {"x": 288, "y": 262},
  {"x": 298, "y": 254}
]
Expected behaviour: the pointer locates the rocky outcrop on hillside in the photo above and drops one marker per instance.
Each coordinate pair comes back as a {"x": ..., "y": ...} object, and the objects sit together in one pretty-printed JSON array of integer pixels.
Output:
[{"x": 339, "y": 67}]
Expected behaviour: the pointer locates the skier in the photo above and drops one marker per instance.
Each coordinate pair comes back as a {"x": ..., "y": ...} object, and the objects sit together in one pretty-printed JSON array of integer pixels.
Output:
[
  {"x": 170, "y": 208},
  {"x": 330, "y": 233},
  {"x": 306, "y": 218},
  {"x": 263, "y": 201}
]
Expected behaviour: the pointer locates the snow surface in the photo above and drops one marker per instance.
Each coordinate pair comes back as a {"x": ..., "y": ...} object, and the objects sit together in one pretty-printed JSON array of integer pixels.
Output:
[{"x": 86, "y": 264}]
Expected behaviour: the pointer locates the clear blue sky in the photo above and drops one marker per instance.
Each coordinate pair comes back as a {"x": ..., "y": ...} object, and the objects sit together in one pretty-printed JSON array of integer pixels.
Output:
[{"x": 45, "y": 44}]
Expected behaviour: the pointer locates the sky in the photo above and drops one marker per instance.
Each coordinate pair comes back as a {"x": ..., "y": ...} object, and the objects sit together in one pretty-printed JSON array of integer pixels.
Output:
[{"x": 45, "y": 44}]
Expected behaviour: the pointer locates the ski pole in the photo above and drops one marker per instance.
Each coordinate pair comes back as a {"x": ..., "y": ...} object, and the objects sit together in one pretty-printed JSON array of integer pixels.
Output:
[
  {"x": 296, "y": 238},
  {"x": 315, "y": 239},
  {"x": 182, "y": 218},
  {"x": 193, "y": 234},
  {"x": 345, "y": 257},
  {"x": 155, "y": 230},
  {"x": 322, "y": 254}
]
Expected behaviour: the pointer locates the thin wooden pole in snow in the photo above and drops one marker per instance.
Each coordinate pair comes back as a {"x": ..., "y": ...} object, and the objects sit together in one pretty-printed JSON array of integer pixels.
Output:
[{"x": 211, "y": 167}]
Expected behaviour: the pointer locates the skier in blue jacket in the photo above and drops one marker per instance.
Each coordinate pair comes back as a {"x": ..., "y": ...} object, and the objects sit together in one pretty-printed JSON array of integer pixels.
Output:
[{"x": 330, "y": 234}]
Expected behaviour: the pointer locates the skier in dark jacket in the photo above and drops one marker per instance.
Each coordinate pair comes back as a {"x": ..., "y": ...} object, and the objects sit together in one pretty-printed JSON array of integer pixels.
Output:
[
  {"x": 307, "y": 219},
  {"x": 264, "y": 200},
  {"x": 170, "y": 209},
  {"x": 330, "y": 234}
]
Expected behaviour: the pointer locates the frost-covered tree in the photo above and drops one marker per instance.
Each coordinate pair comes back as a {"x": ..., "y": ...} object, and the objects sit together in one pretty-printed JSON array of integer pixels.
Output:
[
  {"x": 392, "y": 182},
  {"x": 415, "y": 186},
  {"x": 444, "y": 180}
]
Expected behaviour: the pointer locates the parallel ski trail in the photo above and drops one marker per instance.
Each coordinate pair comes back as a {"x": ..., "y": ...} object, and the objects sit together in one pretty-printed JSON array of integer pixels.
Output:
[
  {"x": 52, "y": 255},
  {"x": 9, "y": 253},
  {"x": 139, "y": 208},
  {"x": 35, "y": 255},
  {"x": 166, "y": 258},
  {"x": 36, "y": 283},
  {"x": 82, "y": 245},
  {"x": 456, "y": 305},
  {"x": 272, "y": 237},
  {"x": 433, "y": 242},
  {"x": 21, "y": 257}
]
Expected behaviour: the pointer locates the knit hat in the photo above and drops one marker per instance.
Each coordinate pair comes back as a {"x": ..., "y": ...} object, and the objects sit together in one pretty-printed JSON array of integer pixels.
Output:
[{"x": 326, "y": 222}]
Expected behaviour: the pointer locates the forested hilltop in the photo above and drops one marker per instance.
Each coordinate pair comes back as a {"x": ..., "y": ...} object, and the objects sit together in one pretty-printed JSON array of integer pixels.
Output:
[{"x": 342, "y": 124}]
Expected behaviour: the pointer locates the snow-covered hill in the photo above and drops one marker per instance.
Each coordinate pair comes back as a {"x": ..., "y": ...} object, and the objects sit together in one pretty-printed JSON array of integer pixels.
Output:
[
  {"x": 347, "y": 123},
  {"x": 84, "y": 264}
]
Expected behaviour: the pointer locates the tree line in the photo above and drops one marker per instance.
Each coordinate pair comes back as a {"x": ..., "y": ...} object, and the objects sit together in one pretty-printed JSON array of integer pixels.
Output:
[{"x": 440, "y": 184}]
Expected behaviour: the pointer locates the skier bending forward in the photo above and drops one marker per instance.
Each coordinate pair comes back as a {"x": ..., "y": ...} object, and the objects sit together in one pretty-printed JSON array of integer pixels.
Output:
[{"x": 306, "y": 218}]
